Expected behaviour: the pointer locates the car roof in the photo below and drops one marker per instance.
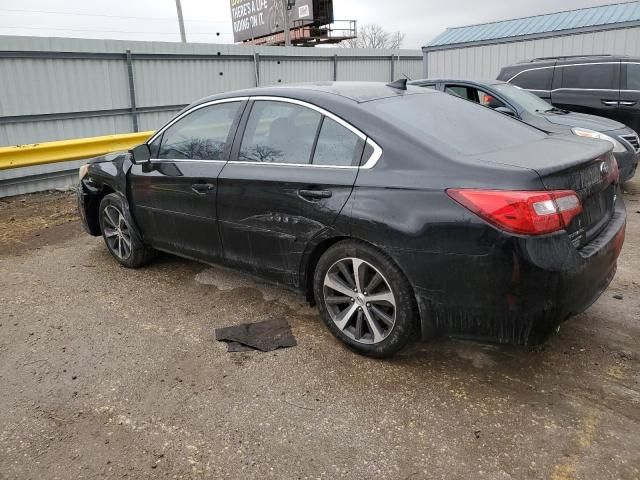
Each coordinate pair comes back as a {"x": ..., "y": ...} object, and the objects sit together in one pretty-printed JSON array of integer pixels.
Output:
[
  {"x": 479, "y": 83},
  {"x": 358, "y": 92},
  {"x": 568, "y": 59}
]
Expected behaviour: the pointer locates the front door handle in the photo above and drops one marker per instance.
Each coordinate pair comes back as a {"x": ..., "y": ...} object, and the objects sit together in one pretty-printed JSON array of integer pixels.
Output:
[
  {"x": 609, "y": 103},
  {"x": 315, "y": 194},
  {"x": 627, "y": 103},
  {"x": 202, "y": 188}
]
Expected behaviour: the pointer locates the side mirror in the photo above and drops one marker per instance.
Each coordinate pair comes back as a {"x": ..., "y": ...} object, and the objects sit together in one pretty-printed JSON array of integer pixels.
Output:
[
  {"x": 506, "y": 111},
  {"x": 140, "y": 154}
]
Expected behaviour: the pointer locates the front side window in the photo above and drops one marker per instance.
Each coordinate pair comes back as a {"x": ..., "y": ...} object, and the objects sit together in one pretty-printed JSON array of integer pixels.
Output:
[
  {"x": 201, "y": 135},
  {"x": 337, "y": 145},
  {"x": 601, "y": 76},
  {"x": 489, "y": 100},
  {"x": 538, "y": 79},
  {"x": 279, "y": 132}
]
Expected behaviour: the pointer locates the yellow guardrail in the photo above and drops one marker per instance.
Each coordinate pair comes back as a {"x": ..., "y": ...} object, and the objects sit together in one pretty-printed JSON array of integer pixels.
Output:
[{"x": 62, "y": 151}]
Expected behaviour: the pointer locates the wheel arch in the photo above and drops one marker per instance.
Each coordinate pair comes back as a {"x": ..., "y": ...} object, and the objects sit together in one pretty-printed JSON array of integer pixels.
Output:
[
  {"x": 92, "y": 206},
  {"x": 312, "y": 258}
]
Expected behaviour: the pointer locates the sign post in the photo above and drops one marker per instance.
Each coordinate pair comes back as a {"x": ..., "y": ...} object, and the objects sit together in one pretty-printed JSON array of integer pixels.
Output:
[{"x": 285, "y": 23}]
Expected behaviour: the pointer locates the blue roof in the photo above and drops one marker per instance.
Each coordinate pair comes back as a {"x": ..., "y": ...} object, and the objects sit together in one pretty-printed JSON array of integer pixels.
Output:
[{"x": 583, "y": 18}]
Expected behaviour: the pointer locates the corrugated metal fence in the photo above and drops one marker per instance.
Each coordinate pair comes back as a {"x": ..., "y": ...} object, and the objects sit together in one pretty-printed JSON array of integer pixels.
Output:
[{"x": 57, "y": 88}]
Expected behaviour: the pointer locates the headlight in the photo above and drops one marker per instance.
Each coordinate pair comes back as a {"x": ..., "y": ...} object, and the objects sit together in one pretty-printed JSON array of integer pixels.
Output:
[
  {"x": 82, "y": 171},
  {"x": 585, "y": 132}
]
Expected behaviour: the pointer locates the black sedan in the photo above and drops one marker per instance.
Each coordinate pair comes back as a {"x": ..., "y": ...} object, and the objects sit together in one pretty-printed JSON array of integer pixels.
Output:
[
  {"x": 400, "y": 211},
  {"x": 531, "y": 109}
]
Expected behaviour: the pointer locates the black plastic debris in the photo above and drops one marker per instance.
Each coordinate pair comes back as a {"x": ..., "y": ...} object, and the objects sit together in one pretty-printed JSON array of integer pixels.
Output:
[{"x": 264, "y": 336}]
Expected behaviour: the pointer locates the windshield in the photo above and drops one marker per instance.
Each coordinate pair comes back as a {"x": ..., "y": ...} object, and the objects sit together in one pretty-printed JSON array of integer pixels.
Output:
[
  {"x": 448, "y": 122},
  {"x": 527, "y": 100}
]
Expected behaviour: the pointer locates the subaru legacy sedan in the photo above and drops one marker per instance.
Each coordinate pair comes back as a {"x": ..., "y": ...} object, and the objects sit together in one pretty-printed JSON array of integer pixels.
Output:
[{"x": 402, "y": 212}]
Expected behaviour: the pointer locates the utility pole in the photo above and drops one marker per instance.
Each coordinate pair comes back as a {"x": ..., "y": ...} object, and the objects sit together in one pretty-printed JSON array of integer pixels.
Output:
[
  {"x": 287, "y": 31},
  {"x": 183, "y": 35}
]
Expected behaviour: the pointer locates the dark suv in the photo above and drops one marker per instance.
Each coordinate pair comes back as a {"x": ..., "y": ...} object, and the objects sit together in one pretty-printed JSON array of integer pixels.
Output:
[{"x": 604, "y": 85}]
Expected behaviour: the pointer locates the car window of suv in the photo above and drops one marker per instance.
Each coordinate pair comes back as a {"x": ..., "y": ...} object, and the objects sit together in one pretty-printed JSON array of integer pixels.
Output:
[
  {"x": 601, "y": 76},
  {"x": 201, "y": 135},
  {"x": 337, "y": 145},
  {"x": 633, "y": 76},
  {"x": 279, "y": 132},
  {"x": 535, "y": 79}
]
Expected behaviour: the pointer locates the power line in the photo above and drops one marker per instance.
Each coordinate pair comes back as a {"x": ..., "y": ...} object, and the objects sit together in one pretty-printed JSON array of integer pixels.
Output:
[{"x": 166, "y": 19}]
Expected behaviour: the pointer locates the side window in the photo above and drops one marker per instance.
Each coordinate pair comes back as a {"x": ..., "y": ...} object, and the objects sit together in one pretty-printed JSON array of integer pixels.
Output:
[
  {"x": 538, "y": 79},
  {"x": 201, "y": 135},
  {"x": 459, "y": 91},
  {"x": 337, "y": 145},
  {"x": 488, "y": 100},
  {"x": 596, "y": 76},
  {"x": 633, "y": 76},
  {"x": 279, "y": 132},
  {"x": 429, "y": 85}
]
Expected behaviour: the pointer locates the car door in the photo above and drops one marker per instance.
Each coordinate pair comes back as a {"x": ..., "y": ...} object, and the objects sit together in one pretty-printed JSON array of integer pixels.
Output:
[
  {"x": 173, "y": 196},
  {"x": 289, "y": 176},
  {"x": 629, "y": 108},
  {"x": 592, "y": 88}
]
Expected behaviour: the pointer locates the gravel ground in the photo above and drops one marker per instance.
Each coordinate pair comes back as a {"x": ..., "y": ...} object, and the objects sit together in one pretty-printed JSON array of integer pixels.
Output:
[{"x": 113, "y": 373}]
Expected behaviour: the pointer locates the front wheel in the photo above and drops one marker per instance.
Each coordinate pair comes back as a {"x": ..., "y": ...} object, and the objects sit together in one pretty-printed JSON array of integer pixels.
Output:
[
  {"x": 120, "y": 234},
  {"x": 364, "y": 299}
]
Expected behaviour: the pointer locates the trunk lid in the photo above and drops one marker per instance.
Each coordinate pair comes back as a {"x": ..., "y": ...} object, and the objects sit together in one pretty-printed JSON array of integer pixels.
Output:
[{"x": 583, "y": 165}]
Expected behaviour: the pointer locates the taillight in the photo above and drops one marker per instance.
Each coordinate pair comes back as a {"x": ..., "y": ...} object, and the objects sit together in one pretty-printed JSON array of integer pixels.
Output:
[{"x": 522, "y": 212}]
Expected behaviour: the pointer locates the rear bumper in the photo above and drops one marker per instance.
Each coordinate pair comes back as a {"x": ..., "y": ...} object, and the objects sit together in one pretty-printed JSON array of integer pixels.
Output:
[
  {"x": 627, "y": 164},
  {"x": 524, "y": 289}
]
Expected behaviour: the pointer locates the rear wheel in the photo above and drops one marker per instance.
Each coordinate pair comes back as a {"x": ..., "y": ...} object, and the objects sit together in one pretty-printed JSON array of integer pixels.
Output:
[
  {"x": 364, "y": 299},
  {"x": 120, "y": 234}
]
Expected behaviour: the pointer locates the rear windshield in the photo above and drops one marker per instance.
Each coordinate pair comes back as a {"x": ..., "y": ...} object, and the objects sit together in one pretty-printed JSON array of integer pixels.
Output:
[{"x": 444, "y": 121}]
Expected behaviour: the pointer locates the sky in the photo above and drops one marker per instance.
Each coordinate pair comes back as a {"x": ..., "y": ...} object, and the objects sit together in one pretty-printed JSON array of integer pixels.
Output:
[{"x": 209, "y": 21}]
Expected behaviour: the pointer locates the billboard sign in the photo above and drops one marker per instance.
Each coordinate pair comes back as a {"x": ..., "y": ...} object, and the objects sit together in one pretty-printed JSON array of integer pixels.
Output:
[{"x": 261, "y": 18}]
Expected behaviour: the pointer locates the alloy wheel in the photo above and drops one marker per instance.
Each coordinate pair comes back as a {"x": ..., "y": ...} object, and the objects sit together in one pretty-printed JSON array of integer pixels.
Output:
[
  {"x": 117, "y": 232},
  {"x": 359, "y": 300}
]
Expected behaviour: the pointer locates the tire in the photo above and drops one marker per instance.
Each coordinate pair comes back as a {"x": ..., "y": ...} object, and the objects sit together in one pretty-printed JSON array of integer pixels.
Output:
[
  {"x": 120, "y": 234},
  {"x": 371, "y": 323}
]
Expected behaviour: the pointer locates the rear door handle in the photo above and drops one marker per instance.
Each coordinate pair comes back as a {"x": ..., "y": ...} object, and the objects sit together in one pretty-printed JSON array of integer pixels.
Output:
[
  {"x": 202, "y": 188},
  {"x": 315, "y": 194},
  {"x": 627, "y": 103},
  {"x": 609, "y": 103}
]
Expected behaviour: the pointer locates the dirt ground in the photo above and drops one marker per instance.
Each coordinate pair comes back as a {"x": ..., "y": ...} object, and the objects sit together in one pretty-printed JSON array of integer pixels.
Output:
[{"x": 112, "y": 373}]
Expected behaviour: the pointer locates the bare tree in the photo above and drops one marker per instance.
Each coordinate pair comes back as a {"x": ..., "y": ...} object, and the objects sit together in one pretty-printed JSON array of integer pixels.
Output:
[{"x": 374, "y": 36}]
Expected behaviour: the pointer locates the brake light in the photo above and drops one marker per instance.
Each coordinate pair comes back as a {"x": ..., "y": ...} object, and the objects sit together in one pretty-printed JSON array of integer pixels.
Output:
[{"x": 522, "y": 212}]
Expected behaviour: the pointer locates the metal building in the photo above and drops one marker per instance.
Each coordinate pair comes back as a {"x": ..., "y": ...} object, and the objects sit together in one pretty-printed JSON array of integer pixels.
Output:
[{"x": 480, "y": 51}]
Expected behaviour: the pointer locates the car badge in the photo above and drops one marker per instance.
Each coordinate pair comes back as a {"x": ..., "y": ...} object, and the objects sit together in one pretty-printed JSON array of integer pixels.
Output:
[{"x": 604, "y": 169}]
